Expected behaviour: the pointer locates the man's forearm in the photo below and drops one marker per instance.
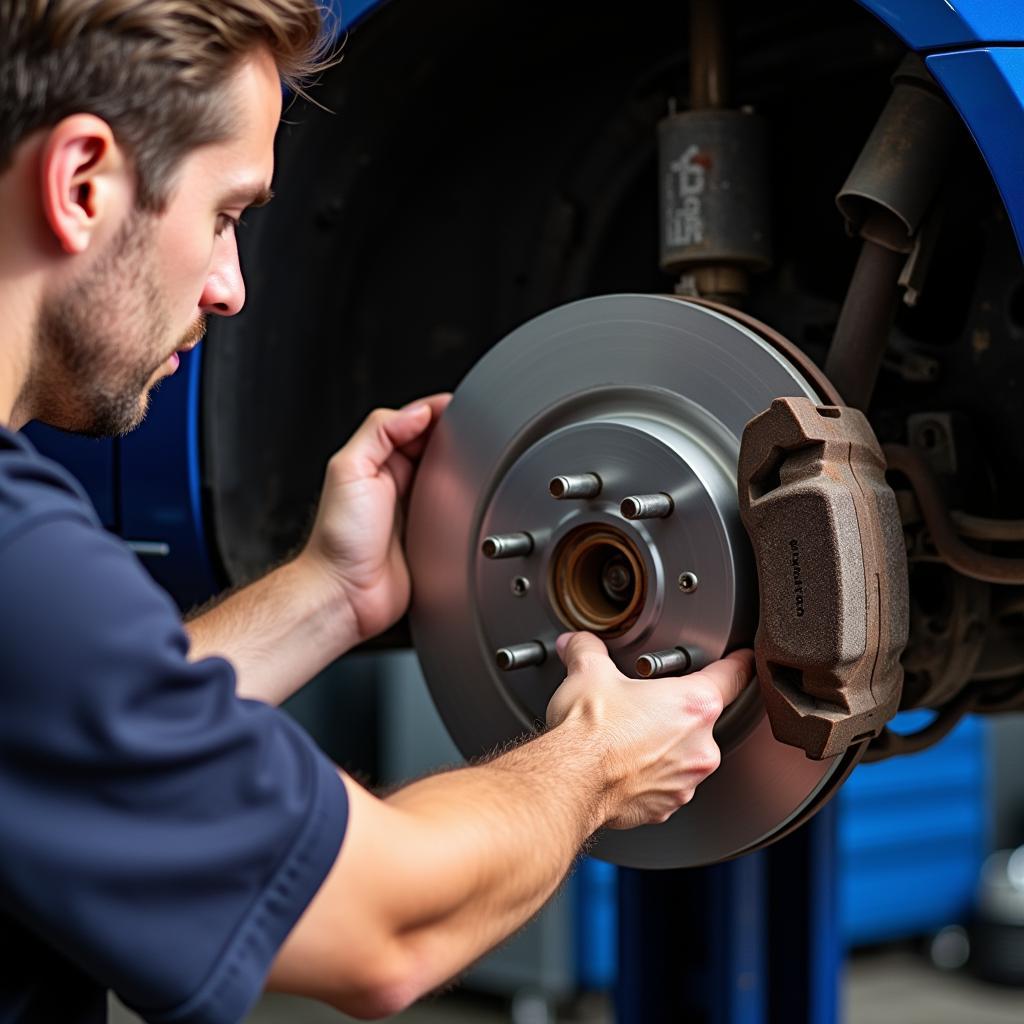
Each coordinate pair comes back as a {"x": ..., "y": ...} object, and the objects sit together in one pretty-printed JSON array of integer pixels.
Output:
[
  {"x": 462, "y": 860},
  {"x": 498, "y": 839},
  {"x": 431, "y": 878},
  {"x": 277, "y": 632}
]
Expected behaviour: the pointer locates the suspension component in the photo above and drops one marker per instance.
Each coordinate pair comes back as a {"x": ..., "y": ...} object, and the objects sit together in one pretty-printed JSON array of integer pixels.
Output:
[
  {"x": 832, "y": 574},
  {"x": 899, "y": 172},
  {"x": 713, "y": 170},
  {"x": 961, "y": 557},
  {"x": 885, "y": 200}
]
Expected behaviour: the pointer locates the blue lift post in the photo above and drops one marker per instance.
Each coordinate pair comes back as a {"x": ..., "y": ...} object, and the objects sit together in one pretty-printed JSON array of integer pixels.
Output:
[{"x": 753, "y": 941}]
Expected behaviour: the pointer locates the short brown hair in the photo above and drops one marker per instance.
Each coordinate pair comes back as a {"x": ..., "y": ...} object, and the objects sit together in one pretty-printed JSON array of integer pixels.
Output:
[{"x": 152, "y": 69}]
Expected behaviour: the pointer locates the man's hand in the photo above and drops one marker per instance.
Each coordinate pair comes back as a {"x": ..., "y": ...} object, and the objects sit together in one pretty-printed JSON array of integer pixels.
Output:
[
  {"x": 349, "y": 583},
  {"x": 356, "y": 540},
  {"x": 656, "y": 733},
  {"x": 432, "y": 877}
]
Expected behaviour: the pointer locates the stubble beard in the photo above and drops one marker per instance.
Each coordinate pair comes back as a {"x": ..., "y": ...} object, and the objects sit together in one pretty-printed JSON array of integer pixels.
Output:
[{"x": 100, "y": 342}]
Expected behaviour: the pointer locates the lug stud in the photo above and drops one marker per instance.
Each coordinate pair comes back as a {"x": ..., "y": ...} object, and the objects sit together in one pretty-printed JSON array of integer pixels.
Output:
[
  {"x": 579, "y": 485},
  {"x": 507, "y": 545},
  {"x": 647, "y": 506},
  {"x": 673, "y": 662},
  {"x": 521, "y": 656}
]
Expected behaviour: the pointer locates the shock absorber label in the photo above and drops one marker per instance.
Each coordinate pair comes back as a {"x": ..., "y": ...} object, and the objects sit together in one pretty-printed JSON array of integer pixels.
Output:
[
  {"x": 685, "y": 187},
  {"x": 714, "y": 195}
]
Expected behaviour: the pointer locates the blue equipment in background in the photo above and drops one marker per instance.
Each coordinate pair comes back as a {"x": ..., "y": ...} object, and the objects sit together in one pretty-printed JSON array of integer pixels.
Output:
[
  {"x": 910, "y": 838},
  {"x": 913, "y": 833}
]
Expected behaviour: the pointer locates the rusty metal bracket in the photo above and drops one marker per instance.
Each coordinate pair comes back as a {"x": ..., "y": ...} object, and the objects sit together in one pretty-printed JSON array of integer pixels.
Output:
[
  {"x": 960, "y": 557},
  {"x": 832, "y": 574}
]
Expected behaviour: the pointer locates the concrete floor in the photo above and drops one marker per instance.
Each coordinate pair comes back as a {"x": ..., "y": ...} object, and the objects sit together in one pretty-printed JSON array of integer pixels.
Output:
[
  {"x": 891, "y": 986},
  {"x": 897, "y": 986}
]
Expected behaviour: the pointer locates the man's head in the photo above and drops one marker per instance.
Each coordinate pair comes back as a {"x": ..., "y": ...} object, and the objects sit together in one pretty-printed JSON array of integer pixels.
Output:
[{"x": 133, "y": 134}]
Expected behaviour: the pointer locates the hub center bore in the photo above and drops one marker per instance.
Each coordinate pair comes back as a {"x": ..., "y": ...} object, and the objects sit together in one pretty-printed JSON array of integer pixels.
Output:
[{"x": 597, "y": 580}]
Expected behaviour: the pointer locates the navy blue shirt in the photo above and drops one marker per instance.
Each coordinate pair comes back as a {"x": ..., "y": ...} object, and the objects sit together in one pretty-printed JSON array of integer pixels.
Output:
[{"x": 158, "y": 836}]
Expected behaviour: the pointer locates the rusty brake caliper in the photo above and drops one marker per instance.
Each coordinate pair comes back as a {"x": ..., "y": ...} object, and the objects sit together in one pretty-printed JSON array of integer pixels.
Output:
[{"x": 832, "y": 574}]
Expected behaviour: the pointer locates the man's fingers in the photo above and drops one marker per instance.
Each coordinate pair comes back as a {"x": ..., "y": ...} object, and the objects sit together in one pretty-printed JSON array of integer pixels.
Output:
[
  {"x": 402, "y": 471},
  {"x": 730, "y": 675},
  {"x": 406, "y": 425},
  {"x": 437, "y": 403},
  {"x": 575, "y": 648},
  {"x": 402, "y": 463},
  {"x": 379, "y": 435}
]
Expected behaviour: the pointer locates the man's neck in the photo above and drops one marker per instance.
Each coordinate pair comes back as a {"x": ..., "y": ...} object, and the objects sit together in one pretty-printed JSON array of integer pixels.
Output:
[
  {"x": 23, "y": 265},
  {"x": 18, "y": 310}
]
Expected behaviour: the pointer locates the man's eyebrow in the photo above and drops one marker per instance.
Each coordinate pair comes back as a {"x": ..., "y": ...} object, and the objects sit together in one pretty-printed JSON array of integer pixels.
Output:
[{"x": 249, "y": 196}]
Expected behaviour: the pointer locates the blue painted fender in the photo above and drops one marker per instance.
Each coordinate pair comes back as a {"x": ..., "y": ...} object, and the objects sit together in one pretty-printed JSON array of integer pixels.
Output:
[
  {"x": 987, "y": 86},
  {"x": 945, "y": 24}
]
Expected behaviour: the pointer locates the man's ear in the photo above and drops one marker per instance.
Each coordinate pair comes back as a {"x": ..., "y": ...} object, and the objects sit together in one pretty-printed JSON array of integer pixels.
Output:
[{"x": 86, "y": 180}]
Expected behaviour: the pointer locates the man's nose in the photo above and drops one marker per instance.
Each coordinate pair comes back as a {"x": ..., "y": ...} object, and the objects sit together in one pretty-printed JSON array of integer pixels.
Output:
[{"x": 224, "y": 294}]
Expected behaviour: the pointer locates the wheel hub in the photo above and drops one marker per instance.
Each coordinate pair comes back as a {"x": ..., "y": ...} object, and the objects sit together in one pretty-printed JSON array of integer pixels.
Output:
[{"x": 584, "y": 477}]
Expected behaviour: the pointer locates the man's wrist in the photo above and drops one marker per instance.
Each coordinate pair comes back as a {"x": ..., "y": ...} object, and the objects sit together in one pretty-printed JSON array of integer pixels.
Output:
[
  {"x": 330, "y": 604},
  {"x": 586, "y": 761}
]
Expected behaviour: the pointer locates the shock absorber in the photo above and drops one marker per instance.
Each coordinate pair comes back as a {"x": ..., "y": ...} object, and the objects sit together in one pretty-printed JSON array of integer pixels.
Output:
[
  {"x": 886, "y": 200},
  {"x": 714, "y": 201}
]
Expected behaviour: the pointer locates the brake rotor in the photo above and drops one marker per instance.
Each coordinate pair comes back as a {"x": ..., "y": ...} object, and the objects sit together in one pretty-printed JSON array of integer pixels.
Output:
[{"x": 649, "y": 395}]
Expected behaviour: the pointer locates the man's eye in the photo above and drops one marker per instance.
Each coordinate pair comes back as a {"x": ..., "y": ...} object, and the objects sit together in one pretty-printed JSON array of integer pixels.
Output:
[{"x": 226, "y": 222}]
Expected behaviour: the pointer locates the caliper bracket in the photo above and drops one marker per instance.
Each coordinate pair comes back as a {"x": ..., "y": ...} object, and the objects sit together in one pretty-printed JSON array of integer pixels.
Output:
[{"x": 832, "y": 574}]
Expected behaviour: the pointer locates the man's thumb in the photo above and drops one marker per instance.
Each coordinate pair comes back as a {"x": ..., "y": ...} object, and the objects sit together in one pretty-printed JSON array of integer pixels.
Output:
[{"x": 574, "y": 648}]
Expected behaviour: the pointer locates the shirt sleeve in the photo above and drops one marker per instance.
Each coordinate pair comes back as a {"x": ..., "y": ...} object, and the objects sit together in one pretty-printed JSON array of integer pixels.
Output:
[{"x": 156, "y": 830}]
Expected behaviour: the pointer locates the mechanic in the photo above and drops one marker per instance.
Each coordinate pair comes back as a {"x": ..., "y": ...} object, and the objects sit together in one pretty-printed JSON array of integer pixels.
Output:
[{"x": 167, "y": 833}]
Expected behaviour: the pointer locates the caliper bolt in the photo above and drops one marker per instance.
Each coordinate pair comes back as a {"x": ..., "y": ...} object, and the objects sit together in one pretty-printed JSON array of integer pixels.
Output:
[
  {"x": 673, "y": 662},
  {"x": 520, "y": 586},
  {"x": 507, "y": 545},
  {"x": 521, "y": 656},
  {"x": 688, "y": 582},
  {"x": 647, "y": 506},
  {"x": 579, "y": 485}
]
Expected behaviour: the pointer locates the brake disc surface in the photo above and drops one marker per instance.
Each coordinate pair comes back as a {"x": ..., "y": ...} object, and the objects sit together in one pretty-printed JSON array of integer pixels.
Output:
[{"x": 650, "y": 394}]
